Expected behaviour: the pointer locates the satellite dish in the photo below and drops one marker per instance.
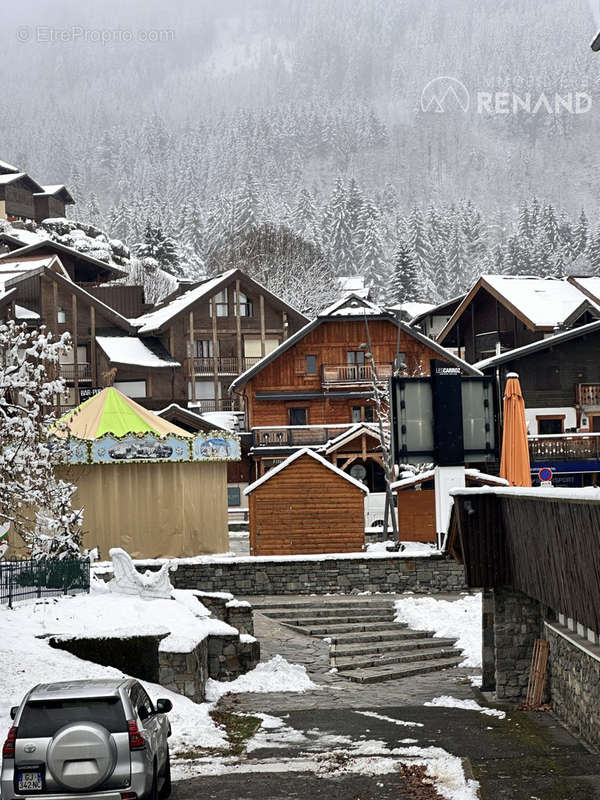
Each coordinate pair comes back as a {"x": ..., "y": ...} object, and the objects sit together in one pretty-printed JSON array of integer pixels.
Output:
[{"x": 358, "y": 471}]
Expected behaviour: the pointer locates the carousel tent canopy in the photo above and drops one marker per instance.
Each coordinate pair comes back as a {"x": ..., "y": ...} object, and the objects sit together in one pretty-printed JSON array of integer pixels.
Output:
[{"x": 110, "y": 411}]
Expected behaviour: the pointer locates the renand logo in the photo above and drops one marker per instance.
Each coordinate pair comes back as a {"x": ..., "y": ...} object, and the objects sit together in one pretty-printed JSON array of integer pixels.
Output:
[{"x": 447, "y": 94}]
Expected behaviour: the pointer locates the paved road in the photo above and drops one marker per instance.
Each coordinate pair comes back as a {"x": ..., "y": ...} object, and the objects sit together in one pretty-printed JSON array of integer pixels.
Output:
[{"x": 523, "y": 757}]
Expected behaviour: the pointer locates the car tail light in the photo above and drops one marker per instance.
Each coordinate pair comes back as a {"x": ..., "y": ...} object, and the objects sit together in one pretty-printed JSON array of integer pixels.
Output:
[
  {"x": 128, "y": 796},
  {"x": 136, "y": 740},
  {"x": 8, "y": 751}
]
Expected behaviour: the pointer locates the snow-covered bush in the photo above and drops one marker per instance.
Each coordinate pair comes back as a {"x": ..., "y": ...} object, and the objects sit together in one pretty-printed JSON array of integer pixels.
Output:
[{"x": 32, "y": 497}]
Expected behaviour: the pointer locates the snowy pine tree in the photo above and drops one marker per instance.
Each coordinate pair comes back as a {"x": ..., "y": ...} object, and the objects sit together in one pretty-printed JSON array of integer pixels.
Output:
[{"x": 406, "y": 282}]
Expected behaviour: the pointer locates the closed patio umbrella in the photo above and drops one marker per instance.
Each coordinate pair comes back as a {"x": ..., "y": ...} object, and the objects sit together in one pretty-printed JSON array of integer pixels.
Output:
[{"x": 514, "y": 464}]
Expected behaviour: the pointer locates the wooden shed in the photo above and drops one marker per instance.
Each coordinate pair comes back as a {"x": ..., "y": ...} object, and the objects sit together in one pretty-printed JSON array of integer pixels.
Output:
[
  {"x": 306, "y": 505},
  {"x": 416, "y": 502}
]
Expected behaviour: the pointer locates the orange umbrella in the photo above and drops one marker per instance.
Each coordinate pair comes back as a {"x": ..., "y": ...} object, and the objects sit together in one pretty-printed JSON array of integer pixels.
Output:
[{"x": 514, "y": 465}]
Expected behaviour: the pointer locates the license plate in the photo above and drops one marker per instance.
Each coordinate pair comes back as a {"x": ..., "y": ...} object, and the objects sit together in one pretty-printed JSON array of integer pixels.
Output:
[{"x": 30, "y": 781}]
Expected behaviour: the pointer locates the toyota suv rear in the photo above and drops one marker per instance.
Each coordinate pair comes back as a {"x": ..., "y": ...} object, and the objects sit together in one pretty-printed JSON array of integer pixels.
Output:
[{"x": 103, "y": 740}]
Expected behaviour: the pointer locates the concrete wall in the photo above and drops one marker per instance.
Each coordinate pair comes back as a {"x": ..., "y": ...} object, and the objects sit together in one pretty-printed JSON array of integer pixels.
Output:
[{"x": 290, "y": 575}]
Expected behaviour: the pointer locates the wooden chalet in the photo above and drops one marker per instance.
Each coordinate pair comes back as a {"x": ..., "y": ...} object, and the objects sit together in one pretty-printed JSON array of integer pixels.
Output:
[
  {"x": 81, "y": 268},
  {"x": 416, "y": 502},
  {"x": 23, "y": 198},
  {"x": 560, "y": 379},
  {"x": 217, "y": 330},
  {"x": 38, "y": 290},
  {"x": 306, "y": 505},
  {"x": 503, "y": 312},
  {"x": 318, "y": 383}
]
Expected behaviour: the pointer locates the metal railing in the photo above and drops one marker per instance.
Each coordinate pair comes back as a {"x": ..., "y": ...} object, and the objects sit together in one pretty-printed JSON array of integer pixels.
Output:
[
  {"x": 25, "y": 580},
  {"x": 226, "y": 365},
  {"x": 83, "y": 371},
  {"x": 565, "y": 447},
  {"x": 354, "y": 373}
]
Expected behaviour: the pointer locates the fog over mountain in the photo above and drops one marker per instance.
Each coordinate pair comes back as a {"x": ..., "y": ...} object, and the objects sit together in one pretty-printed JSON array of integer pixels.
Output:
[{"x": 305, "y": 118}]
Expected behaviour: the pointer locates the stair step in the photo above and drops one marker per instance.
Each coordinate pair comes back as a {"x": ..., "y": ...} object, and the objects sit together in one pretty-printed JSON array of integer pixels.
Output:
[
  {"x": 335, "y": 631},
  {"x": 318, "y": 613},
  {"x": 400, "y": 644},
  {"x": 393, "y": 672},
  {"x": 437, "y": 654},
  {"x": 388, "y": 634},
  {"x": 337, "y": 622},
  {"x": 310, "y": 605}
]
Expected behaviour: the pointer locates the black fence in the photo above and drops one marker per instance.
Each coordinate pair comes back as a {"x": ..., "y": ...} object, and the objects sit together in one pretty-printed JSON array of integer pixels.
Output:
[{"x": 24, "y": 580}]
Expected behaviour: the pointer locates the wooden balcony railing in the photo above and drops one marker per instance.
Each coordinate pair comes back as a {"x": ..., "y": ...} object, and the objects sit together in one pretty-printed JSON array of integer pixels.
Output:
[
  {"x": 335, "y": 374},
  {"x": 589, "y": 395},
  {"x": 226, "y": 365},
  {"x": 82, "y": 369},
  {"x": 200, "y": 406},
  {"x": 296, "y": 435},
  {"x": 564, "y": 447}
]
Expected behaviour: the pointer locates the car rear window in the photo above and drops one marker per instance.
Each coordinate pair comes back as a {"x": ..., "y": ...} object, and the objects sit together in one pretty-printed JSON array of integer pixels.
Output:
[{"x": 43, "y": 718}]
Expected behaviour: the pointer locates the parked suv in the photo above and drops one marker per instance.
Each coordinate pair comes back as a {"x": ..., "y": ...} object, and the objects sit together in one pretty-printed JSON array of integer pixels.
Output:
[{"x": 99, "y": 739}]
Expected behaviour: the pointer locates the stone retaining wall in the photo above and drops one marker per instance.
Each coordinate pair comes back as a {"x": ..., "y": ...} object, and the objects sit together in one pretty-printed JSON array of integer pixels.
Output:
[
  {"x": 185, "y": 673},
  {"x": 574, "y": 678},
  {"x": 289, "y": 575}
]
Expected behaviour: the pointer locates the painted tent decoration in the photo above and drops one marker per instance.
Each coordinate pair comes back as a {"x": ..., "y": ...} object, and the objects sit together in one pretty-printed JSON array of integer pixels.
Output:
[{"x": 111, "y": 428}]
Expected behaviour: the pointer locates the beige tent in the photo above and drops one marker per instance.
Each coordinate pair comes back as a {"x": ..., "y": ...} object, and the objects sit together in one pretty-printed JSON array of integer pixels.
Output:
[{"x": 151, "y": 507}]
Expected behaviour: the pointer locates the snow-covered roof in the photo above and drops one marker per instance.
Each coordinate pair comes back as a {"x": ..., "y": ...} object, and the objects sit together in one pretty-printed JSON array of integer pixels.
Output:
[
  {"x": 351, "y": 433},
  {"x": 154, "y": 320},
  {"x": 353, "y": 284},
  {"x": 131, "y": 350},
  {"x": 5, "y": 167},
  {"x": 429, "y": 475},
  {"x": 9, "y": 177},
  {"x": 21, "y": 236},
  {"x": 352, "y": 305},
  {"x": 590, "y": 285},
  {"x": 71, "y": 251},
  {"x": 13, "y": 271},
  {"x": 222, "y": 419},
  {"x": 294, "y": 457},
  {"x": 543, "y": 344},
  {"x": 413, "y": 310},
  {"x": 544, "y": 301},
  {"x": 25, "y": 313}
]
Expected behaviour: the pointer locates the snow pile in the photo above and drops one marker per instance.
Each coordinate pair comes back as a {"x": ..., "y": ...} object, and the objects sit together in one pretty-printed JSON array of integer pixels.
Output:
[
  {"x": 454, "y": 619},
  {"x": 382, "y": 717},
  {"x": 28, "y": 660},
  {"x": 469, "y": 705},
  {"x": 276, "y": 675}
]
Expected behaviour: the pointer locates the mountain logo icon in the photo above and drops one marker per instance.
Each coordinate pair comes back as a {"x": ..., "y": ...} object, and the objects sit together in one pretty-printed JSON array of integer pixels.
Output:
[{"x": 445, "y": 94}]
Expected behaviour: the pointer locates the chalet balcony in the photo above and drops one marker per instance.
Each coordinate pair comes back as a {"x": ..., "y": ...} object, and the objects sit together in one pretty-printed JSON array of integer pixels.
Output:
[
  {"x": 82, "y": 370},
  {"x": 354, "y": 374},
  {"x": 226, "y": 365},
  {"x": 589, "y": 396},
  {"x": 201, "y": 406},
  {"x": 296, "y": 435},
  {"x": 564, "y": 447}
]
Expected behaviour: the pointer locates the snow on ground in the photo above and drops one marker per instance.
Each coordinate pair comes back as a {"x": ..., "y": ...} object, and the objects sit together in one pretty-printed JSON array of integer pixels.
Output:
[
  {"x": 28, "y": 659},
  {"x": 456, "y": 619},
  {"x": 469, "y": 705},
  {"x": 409, "y": 548},
  {"x": 276, "y": 675},
  {"x": 400, "y": 722}
]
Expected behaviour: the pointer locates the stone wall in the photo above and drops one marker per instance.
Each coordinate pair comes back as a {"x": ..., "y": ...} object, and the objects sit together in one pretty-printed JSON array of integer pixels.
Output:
[
  {"x": 517, "y": 624},
  {"x": 289, "y": 575},
  {"x": 574, "y": 678},
  {"x": 185, "y": 673}
]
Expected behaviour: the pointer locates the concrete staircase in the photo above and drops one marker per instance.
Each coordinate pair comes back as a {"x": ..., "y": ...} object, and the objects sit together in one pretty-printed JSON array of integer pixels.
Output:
[{"x": 365, "y": 644}]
